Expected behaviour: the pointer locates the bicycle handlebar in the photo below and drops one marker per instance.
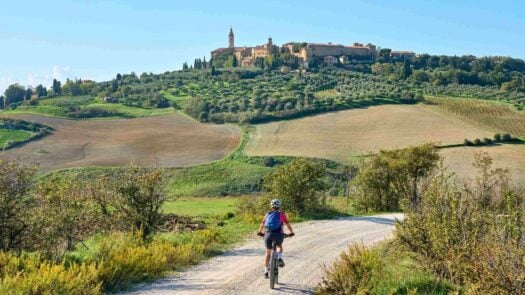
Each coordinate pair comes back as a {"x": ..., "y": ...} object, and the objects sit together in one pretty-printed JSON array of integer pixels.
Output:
[{"x": 260, "y": 234}]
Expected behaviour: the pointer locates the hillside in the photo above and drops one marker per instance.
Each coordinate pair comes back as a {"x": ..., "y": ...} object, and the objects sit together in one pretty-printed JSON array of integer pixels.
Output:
[
  {"x": 346, "y": 135},
  {"x": 169, "y": 140}
]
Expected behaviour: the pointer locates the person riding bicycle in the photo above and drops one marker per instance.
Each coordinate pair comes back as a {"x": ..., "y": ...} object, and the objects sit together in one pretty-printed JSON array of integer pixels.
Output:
[{"x": 272, "y": 224}]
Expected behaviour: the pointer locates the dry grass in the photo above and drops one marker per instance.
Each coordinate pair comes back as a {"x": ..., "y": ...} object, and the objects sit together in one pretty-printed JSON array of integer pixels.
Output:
[
  {"x": 341, "y": 135},
  {"x": 510, "y": 156},
  {"x": 170, "y": 140},
  {"x": 499, "y": 116}
]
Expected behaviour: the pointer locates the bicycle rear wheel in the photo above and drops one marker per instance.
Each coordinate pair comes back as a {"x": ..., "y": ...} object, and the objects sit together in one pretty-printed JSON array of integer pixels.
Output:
[{"x": 272, "y": 270}]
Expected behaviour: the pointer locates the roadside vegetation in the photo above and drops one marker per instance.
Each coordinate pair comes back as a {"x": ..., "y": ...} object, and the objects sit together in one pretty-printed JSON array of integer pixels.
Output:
[
  {"x": 467, "y": 237},
  {"x": 68, "y": 233}
]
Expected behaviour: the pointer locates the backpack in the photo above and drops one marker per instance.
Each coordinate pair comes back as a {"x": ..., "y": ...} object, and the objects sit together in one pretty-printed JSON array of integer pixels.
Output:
[{"x": 273, "y": 221}]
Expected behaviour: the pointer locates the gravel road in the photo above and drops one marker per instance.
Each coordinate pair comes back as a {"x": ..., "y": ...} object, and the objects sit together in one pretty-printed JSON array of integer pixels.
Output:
[{"x": 240, "y": 271}]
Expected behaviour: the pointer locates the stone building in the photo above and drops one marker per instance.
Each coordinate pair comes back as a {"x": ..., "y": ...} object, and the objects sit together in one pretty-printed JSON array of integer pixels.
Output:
[
  {"x": 246, "y": 56},
  {"x": 305, "y": 52}
]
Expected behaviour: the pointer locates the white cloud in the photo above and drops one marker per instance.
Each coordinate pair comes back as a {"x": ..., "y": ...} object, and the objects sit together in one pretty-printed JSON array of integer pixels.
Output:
[{"x": 60, "y": 73}]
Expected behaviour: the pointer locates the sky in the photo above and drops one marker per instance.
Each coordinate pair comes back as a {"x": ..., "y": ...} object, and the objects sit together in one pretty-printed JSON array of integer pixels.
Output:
[{"x": 42, "y": 40}]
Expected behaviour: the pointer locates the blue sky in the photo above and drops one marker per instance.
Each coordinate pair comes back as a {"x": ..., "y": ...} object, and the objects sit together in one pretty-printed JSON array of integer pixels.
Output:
[{"x": 42, "y": 40}]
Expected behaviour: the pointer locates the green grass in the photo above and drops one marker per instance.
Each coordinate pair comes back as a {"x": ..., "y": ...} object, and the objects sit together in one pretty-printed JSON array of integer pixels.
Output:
[
  {"x": 224, "y": 177},
  {"x": 7, "y": 135},
  {"x": 132, "y": 112},
  {"x": 58, "y": 107},
  {"x": 404, "y": 273},
  {"x": 201, "y": 206}
]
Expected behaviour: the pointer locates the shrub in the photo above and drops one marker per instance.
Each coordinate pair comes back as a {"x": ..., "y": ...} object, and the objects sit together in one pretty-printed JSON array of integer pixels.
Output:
[
  {"x": 506, "y": 137},
  {"x": 391, "y": 178},
  {"x": 28, "y": 274},
  {"x": 140, "y": 197},
  {"x": 353, "y": 273},
  {"x": 473, "y": 233},
  {"x": 16, "y": 204},
  {"x": 268, "y": 161},
  {"x": 297, "y": 184}
]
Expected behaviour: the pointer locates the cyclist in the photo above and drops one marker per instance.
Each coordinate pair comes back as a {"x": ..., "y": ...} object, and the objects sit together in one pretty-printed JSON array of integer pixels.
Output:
[{"x": 272, "y": 223}]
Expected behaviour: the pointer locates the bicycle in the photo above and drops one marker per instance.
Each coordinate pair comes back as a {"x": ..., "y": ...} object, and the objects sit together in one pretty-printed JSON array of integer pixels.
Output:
[{"x": 274, "y": 268}]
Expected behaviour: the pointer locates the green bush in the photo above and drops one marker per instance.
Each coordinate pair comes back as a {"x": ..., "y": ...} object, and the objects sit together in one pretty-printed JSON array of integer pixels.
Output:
[
  {"x": 471, "y": 234},
  {"x": 355, "y": 272},
  {"x": 297, "y": 185},
  {"x": 391, "y": 179}
]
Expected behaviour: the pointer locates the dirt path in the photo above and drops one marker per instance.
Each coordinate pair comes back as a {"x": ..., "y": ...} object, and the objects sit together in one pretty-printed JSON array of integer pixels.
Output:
[{"x": 240, "y": 271}]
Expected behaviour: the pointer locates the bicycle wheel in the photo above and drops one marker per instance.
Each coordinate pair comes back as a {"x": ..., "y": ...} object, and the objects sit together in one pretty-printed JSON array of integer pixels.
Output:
[{"x": 273, "y": 266}]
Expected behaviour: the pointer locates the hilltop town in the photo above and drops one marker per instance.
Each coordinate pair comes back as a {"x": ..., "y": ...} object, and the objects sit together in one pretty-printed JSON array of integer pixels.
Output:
[{"x": 299, "y": 53}]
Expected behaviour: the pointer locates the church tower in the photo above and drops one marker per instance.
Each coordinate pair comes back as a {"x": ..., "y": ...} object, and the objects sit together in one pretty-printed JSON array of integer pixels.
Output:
[{"x": 231, "y": 39}]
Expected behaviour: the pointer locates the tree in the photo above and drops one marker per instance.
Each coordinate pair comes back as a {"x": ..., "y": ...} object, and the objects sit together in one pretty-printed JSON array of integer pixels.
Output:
[
  {"x": 2, "y": 102},
  {"x": 195, "y": 106},
  {"x": 16, "y": 204},
  {"x": 140, "y": 197},
  {"x": 392, "y": 178},
  {"x": 14, "y": 93},
  {"x": 57, "y": 88},
  {"x": 40, "y": 91},
  {"x": 185, "y": 66},
  {"x": 66, "y": 213},
  {"x": 297, "y": 184}
]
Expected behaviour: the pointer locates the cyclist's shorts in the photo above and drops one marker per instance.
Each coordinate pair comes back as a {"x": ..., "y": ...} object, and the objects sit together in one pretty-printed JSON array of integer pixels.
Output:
[{"x": 276, "y": 236}]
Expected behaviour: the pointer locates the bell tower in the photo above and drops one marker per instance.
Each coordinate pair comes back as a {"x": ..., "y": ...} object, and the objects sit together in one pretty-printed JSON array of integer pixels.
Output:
[{"x": 231, "y": 39}]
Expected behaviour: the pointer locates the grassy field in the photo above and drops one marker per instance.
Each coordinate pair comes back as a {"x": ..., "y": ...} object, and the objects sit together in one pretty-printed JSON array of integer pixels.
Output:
[
  {"x": 7, "y": 135},
  {"x": 342, "y": 135},
  {"x": 499, "y": 116},
  {"x": 228, "y": 176},
  {"x": 58, "y": 107},
  {"x": 510, "y": 156},
  {"x": 169, "y": 141},
  {"x": 201, "y": 206}
]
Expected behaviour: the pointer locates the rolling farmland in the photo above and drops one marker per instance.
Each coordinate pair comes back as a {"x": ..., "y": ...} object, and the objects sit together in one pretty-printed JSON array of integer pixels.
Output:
[
  {"x": 171, "y": 140},
  {"x": 341, "y": 135},
  {"x": 510, "y": 156},
  {"x": 498, "y": 116}
]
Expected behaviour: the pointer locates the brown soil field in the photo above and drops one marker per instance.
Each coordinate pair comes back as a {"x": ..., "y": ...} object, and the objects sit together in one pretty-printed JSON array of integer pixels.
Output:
[
  {"x": 341, "y": 135},
  {"x": 171, "y": 140},
  {"x": 510, "y": 156}
]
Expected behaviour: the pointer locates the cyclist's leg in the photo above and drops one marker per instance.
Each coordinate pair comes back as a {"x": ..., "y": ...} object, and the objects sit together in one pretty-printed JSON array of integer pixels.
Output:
[
  {"x": 268, "y": 246},
  {"x": 279, "y": 238}
]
